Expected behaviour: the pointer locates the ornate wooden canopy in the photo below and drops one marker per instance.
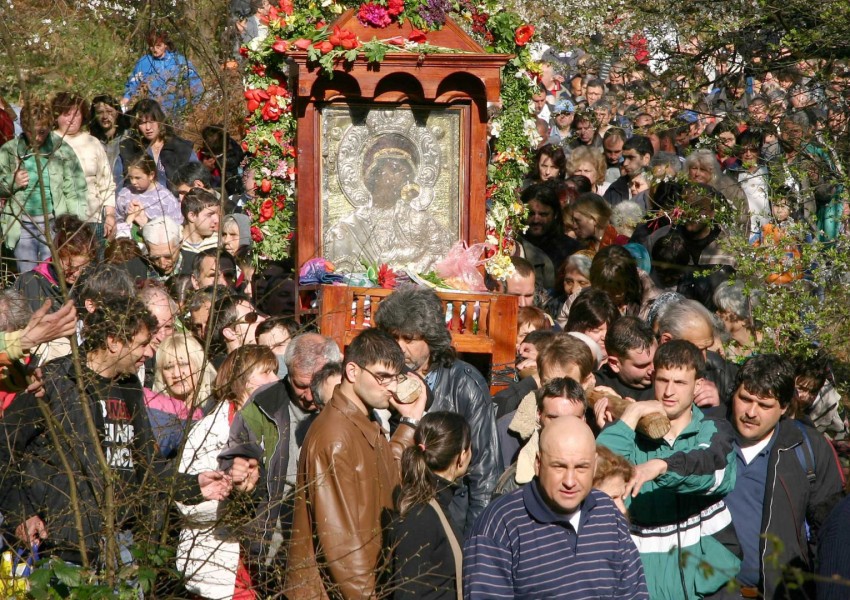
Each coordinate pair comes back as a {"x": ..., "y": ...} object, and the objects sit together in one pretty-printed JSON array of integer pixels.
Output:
[{"x": 468, "y": 78}]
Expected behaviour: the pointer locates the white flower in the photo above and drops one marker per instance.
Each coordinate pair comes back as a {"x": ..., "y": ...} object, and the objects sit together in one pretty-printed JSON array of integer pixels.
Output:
[
  {"x": 255, "y": 44},
  {"x": 495, "y": 128}
]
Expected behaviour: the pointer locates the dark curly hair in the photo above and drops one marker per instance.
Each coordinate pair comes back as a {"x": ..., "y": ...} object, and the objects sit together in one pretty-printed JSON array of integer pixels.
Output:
[
  {"x": 417, "y": 314},
  {"x": 118, "y": 317}
]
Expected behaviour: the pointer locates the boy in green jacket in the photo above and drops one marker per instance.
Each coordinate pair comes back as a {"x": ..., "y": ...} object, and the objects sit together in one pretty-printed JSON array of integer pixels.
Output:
[{"x": 680, "y": 523}]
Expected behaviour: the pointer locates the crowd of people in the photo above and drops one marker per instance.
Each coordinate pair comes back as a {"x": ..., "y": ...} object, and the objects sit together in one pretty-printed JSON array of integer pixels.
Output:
[{"x": 646, "y": 447}]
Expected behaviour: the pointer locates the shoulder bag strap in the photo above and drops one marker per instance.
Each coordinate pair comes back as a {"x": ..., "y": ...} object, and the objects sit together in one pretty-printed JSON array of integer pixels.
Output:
[{"x": 450, "y": 535}]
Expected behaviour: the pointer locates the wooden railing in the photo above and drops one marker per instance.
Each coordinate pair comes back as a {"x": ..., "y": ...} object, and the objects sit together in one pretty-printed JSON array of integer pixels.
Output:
[{"x": 480, "y": 323}]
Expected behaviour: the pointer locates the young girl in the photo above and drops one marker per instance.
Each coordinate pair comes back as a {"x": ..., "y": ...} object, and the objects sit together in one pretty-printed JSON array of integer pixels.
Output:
[
  {"x": 144, "y": 198},
  {"x": 425, "y": 543}
]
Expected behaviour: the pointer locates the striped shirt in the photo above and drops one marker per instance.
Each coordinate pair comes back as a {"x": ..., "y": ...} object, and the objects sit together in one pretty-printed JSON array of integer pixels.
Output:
[{"x": 520, "y": 548}]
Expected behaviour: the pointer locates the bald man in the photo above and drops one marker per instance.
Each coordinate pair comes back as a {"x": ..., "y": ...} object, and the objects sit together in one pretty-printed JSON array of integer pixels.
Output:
[{"x": 526, "y": 543}]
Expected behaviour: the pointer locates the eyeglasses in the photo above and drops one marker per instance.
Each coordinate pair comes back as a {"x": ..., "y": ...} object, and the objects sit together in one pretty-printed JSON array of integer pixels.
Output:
[
  {"x": 249, "y": 319},
  {"x": 385, "y": 380}
]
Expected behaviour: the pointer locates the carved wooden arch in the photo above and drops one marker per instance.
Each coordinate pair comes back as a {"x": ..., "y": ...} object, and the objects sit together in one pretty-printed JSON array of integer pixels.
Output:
[
  {"x": 404, "y": 86},
  {"x": 343, "y": 85}
]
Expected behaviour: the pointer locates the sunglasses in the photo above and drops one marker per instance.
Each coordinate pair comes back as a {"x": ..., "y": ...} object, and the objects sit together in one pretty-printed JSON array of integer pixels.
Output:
[{"x": 248, "y": 319}]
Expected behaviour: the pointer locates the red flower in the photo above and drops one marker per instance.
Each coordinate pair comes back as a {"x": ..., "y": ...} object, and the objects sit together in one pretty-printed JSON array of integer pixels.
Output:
[
  {"x": 278, "y": 136},
  {"x": 245, "y": 146},
  {"x": 302, "y": 43},
  {"x": 395, "y": 41},
  {"x": 266, "y": 211},
  {"x": 256, "y": 234},
  {"x": 259, "y": 69},
  {"x": 324, "y": 47},
  {"x": 281, "y": 202},
  {"x": 243, "y": 51},
  {"x": 280, "y": 45},
  {"x": 255, "y": 98},
  {"x": 344, "y": 38},
  {"x": 286, "y": 6},
  {"x": 266, "y": 186},
  {"x": 523, "y": 34},
  {"x": 271, "y": 111},
  {"x": 395, "y": 7},
  {"x": 417, "y": 36},
  {"x": 386, "y": 277}
]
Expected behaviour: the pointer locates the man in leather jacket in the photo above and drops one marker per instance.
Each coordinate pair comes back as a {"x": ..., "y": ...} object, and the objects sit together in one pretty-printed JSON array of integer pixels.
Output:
[
  {"x": 416, "y": 319},
  {"x": 347, "y": 471}
]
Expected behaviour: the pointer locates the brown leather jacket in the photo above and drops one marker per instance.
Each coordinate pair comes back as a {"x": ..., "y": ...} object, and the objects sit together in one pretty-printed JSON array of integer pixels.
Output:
[{"x": 346, "y": 475}]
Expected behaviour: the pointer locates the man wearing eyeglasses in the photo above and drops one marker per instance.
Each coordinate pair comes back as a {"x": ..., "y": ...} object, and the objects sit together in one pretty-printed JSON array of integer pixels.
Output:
[{"x": 346, "y": 475}]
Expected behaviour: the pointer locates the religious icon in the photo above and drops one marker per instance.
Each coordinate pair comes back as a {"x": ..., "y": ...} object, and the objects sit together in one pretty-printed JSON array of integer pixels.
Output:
[{"x": 390, "y": 185}]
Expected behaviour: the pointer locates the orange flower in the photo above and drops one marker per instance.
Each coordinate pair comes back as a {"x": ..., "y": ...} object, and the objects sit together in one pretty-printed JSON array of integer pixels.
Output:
[{"x": 523, "y": 34}]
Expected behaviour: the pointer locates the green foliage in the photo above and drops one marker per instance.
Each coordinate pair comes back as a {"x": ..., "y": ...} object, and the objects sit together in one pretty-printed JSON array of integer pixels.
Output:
[{"x": 72, "y": 51}]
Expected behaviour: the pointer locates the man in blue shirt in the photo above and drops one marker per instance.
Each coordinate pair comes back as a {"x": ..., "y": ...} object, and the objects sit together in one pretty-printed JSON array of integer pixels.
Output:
[
  {"x": 788, "y": 481},
  {"x": 555, "y": 537}
]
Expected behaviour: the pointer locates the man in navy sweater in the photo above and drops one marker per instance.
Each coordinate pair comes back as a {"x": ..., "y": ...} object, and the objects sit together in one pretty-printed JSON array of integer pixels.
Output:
[{"x": 555, "y": 537}]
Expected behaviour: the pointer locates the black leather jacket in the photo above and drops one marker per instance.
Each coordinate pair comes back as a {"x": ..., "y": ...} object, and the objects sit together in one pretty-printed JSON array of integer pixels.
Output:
[{"x": 460, "y": 388}]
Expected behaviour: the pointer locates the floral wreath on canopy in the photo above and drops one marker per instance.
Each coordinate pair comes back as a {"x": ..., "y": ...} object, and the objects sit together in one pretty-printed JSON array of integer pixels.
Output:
[{"x": 304, "y": 26}]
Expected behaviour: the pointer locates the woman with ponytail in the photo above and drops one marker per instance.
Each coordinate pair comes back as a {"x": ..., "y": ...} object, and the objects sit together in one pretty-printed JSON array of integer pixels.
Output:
[{"x": 425, "y": 543}]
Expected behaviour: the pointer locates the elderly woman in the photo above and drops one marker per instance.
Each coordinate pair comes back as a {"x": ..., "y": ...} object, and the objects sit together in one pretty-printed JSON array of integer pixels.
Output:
[
  {"x": 208, "y": 553},
  {"x": 573, "y": 277},
  {"x": 70, "y": 112},
  {"x": 590, "y": 163},
  {"x": 702, "y": 167},
  {"x": 152, "y": 135},
  {"x": 182, "y": 382},
  {"x": 735, "y": 308}
]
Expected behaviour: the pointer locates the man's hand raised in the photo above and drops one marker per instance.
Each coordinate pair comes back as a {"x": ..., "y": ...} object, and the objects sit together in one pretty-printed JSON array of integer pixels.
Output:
[{"x": 45, "y": 326}]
